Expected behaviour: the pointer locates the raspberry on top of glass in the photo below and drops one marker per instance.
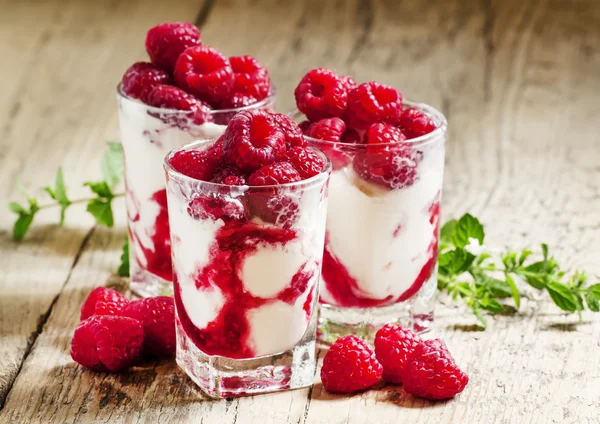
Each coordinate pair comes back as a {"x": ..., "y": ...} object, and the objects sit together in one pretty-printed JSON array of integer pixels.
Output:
[
  {"x": 247, "y": 215},
  {"x": 384, "y": 200},
  {"x": 187, "y": 91}
]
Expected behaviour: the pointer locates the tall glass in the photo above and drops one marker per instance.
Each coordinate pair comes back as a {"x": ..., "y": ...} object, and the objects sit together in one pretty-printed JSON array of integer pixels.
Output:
[
  {"x": 380, "y": 257},
  {"x": 246, "y": 262},
  {"x": 147, "y": 135}
]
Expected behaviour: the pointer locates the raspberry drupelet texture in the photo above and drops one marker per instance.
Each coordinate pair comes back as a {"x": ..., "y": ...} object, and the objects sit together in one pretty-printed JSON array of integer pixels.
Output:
[
  {"x": 273, "y": 174},
  {"x": 431, "y": 372},
  {"x": 384, "y": 134},
  {"x": 103, "y": 301},
  {"x": 236, "y": 101},
  {"x": 329, "y": 129},
  {"x": 292, "y": 131},
  {"x": 198, "y": 164},
  {"x": 394, "y": 345},
  {"x": 372, "y": 103},
  {"x": 415, "y": 123},
  {"x": 165, "y": 42},
  {"x": 349, "y": 366},
  {"x": 206, "y": 73},
  {"x": 306, "y": 161},
  {"x": 394, "y": 167},
  {"x": 250, "y": 77},
  {"x": 140, "y": 78},
  {"x": 167, "y": 96},
  {"x": 230, "y": 175},
  {"x": 322, "y": 93}
]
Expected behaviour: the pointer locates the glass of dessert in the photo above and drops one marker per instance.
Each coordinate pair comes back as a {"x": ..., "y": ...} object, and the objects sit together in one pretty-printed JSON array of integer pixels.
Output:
[
  {"x": 381, "y": 246},
  {"x": 247, "y": 214},
  {"x": 189, "y": 91}
]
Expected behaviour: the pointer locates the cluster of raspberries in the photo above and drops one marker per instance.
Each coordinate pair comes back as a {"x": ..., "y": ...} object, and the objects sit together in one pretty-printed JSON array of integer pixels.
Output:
[{"x": 186, "y": 75}]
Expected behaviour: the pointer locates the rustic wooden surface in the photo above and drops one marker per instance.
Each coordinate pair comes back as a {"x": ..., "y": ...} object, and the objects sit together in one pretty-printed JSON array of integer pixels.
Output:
[{"x": 520, "y": 84}]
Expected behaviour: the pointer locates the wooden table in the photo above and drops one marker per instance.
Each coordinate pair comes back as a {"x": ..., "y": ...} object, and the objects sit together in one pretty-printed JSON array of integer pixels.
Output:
[{"x": 519, "y": 82}]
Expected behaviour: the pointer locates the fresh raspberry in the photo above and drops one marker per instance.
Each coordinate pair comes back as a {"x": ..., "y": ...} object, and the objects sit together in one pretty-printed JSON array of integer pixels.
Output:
[
  {"x": 415, "y": 123},
  {"x": 384, "y": 134},
  {"x": 274, "y": 174},
  {"x": 204, "y": 72},
  {"x": 157, "y": 315},
  {"x": 104, "y": 342},
  {"x": 216, "y": 206},
  {"x": 351, "y": 136},
  {"x": 431, "y": 372},
  {"x": 279, "y": 209},
  {"x": 253, "y": 139},
  {"x": 395, "y": 168},
  {"x": 394, "y": 345},
  {"x": 322, "y": 93},
  {"x": 306, "y": 161},
  {"x": 167, "y": 96},
  {"x": 140, "y": 78},
  {"x": 198, "y": 164},
  {"x": 329, "y": 129},
  {"x": 304, "y": 125},
  {"x": 250, "y": 77},
  {"x": 294, "y": 136},
  {"x": 348, "y": 82},
  {"x": 165, "y": 42},
  {"x": 236, "y": 101},
  {"x": 349, "y": 366},
  {"x": 372, "y": 103},
  {"x": 230, "y": 175},
  {"x": 103, "y": 301}
]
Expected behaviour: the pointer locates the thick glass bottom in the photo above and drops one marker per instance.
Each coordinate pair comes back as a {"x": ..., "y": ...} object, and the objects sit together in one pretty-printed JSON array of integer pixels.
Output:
[
  {"x": 221, "y": 377},
  {"x": 415, "y": 313},
  {"x": 145, "y": 284}
]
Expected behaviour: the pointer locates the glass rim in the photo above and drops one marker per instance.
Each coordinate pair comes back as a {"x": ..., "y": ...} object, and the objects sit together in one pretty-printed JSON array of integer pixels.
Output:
[
  {"x": 314, "y": 180},
  {"x": 270, "y": 98},
  {"x": 437, "y": 116}
]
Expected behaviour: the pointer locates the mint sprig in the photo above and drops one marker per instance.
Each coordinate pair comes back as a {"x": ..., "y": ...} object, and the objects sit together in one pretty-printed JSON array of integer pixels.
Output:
[{"x": 468, "y": 273}]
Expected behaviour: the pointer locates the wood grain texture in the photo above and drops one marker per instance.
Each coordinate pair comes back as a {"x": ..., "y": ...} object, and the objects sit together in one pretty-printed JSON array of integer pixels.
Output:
[{"x": 520, "y": 85}]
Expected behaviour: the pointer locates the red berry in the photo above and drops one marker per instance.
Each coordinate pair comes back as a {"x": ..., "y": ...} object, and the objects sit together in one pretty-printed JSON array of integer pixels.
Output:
[
  {"x": 236, "y": 101},
  {"x": 140, "y": 78},
  {"x": 157, "y": 315},
  {"x": 230, "y": 175},
  {"x": 349, "y": 83},
  {"x": 415, "y": 123},
  {"x": 103, "y": 301},
  {"x": 384, "y": 134},
  {"x": 250, "y": 77},
  {"x": 304, "y": 125},
  {"x": 372, "y": 103},
  {"x": 349, "y": 366},
  {"x": 204, "y": 72},
  {"x": 307, "y": 161},
  {"x": 394, "y": 168},
  {"x": 351, "y": 136},
  {"x": 393, "y": 347},
  {"x": 322, "y": 93},
  {"x": 167, "y": 96},
  {"x": 279, "y": 209},
  {"x": 165, "y": 42},
  {"x": 431, "y": 372},
  {"x": 273, "y": 174},
  {"x": 329, "y": 129},
  {"x": 216, "y": 206},
  {"x": 253, "y": 139},
  {"x": 107, "y": 342},
  {"x": 198, "y": 164},
  {"x": 293, "y": 134}
]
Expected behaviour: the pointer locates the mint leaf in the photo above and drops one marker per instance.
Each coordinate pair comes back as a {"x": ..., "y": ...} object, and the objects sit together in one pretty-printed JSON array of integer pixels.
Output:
[
  {"x": 544, "y": 247},
  {"x": 491, "y": 305},
  {"x": 594, "y": 290},
  {"x": 22, "y": 225},
  {"x": 50, "y": 192},
  {"x": 123, "y": 270},
  {"x": 562, "y": 296},
  {"x": 524, "y": 255},
  {"x": 101, "y": 189},
  {"x": 16, "y": 208},
  {"x": 514, "y": 290},
  {"x": 447, "y": 230},
  {"x": 61, "y": 189},
  {"x": 101, "y": 210},
  {"x": 592, "y": 302},
  {"x": 479, "y": 316},
  {"x": 467, "y": 227},
  {"x": 111, "y": 164}
]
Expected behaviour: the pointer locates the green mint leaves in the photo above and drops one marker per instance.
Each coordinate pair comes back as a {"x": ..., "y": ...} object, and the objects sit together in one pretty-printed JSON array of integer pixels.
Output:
[
  {"x": 123, "y": 270},
  {"x": 468, "y": 274}
]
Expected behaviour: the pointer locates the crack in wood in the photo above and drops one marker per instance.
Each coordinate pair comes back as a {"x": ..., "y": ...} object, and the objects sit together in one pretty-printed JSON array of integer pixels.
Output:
[
  {"x": 365, "y": 15},
  {"x": 204, "y": 12}
]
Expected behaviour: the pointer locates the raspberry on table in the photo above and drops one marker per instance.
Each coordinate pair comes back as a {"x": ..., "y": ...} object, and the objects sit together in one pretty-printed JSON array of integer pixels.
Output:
[
  {"x": 415, "y": 123},
  {"x": 103, "y": 301},
  {"x": 107, "y": 343},
  {"x": 322, "y": 93},
  {"x": 274, "y": 174},
  {"x": 206, "y": 73},
  {"x": 198, "y": 164},
  {"x": 350, "y": 365},
  {"x": 329, "y": 129},
  {"x": 306, "y": 161},
  {"x": 140, "y": 78},
  {"x": 431, "y": 372},
  {"x": 157, "y": 315},
  {"x": 384, "y": 134},
  {"x": 250, "y": 77},
  {"x": 294, "y": 136},
  {"x": 167, "y": 96},
  {"x": 253, "y": 139},
  {"x": 394, "y": 168},
  {"x": 165, "y": 42},
  {"x": 394, "y": 345},
  {"x": 372, "y": 103}
]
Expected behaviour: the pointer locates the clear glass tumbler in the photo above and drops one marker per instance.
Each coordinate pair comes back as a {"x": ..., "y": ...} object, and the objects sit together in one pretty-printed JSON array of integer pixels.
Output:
[
  {"x": 147, "y": 135},
  {"x": 380, "y": 257},
  {"x": 246, "y": 262}
]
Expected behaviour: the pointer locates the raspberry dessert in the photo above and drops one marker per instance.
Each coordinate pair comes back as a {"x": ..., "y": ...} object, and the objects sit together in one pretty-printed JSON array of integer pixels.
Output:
[
  {"x": 247, "y": 216},
  {"x": 188, "y": 91},
  {"x": 384, "y": 203}
]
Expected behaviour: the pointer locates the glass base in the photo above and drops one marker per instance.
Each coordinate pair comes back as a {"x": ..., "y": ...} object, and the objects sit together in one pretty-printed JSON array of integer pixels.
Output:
[
  {"x": 221, "y": 377},
  {"x": 145, "y": 284},
  {"x": 416, "y": 313}
]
